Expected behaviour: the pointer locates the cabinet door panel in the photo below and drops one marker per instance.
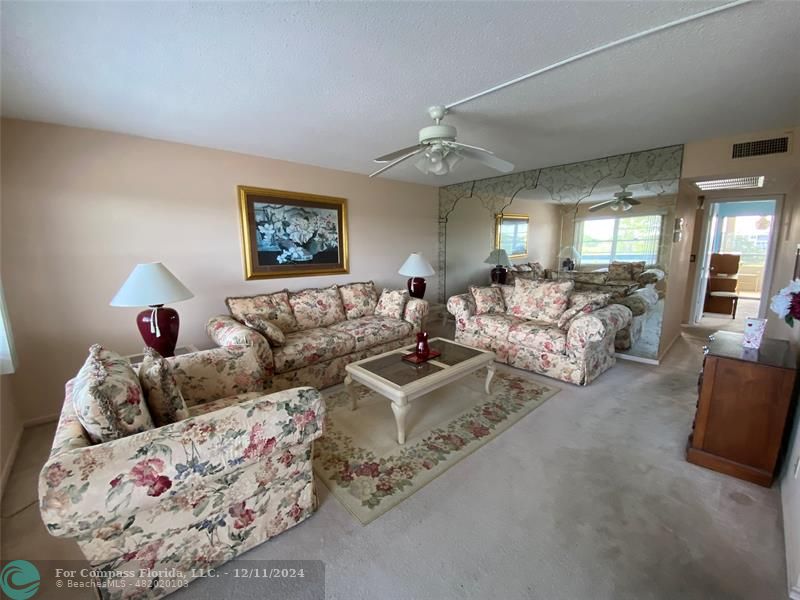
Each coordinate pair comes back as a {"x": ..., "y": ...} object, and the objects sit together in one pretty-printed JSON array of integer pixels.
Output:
[{"x": 747, "y": 414}]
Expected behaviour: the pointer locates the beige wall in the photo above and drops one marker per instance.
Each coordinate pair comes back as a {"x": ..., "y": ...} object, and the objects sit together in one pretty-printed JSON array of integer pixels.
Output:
[
  {"x": 678, "y": 268},
  {"x": 10, "y": 429},
  {"x": 470, "y": 238},
  {"x": 81, "y": 208}
]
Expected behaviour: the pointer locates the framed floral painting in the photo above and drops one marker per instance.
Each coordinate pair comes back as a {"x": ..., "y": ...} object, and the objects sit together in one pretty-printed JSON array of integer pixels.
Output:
[{"x": 289, "y": 234}]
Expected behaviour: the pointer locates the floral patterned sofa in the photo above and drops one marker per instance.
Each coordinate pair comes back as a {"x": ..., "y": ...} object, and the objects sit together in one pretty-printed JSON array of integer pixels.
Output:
[
  {"x": 191, "y": 494},
  {"x": 542, "y": 326},
  {"x": 308, "y": 337}
]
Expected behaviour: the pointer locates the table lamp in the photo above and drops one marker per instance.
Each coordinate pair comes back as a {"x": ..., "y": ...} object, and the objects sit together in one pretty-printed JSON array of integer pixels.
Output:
[
  {"x": 570, "y": 255},
  {"x": 498, "y": 257},
  {"x": 153, "y": 285},
  {"x": 416, "y": 268}
]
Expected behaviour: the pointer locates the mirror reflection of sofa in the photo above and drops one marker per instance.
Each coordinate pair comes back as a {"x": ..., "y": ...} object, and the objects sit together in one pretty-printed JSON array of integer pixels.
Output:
[{"x": 629, "y": 284}]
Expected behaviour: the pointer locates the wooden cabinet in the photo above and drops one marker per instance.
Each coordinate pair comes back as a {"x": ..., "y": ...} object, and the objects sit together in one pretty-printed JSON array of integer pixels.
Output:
[{"x": 745, "y": 398}]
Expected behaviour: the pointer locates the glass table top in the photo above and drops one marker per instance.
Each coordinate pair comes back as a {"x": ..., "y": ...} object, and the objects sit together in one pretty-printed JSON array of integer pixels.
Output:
[{"x": 394, "y": 369}]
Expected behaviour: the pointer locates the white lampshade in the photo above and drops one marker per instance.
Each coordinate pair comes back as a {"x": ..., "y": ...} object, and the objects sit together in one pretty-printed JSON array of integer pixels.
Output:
[
  {"x": 416, "y": 266},
  {"x": 498, "y": 257},
  {"x": 569, "y": 252},
  {"x": 150, "y": 284}
]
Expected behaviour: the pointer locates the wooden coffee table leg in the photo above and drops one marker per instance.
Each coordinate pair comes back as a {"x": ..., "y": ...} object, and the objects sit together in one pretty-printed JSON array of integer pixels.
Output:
[
  {"x": 400, "y": 411},
  {"x": 489, "y": 374},
  {"x": 351, "y": 390}
]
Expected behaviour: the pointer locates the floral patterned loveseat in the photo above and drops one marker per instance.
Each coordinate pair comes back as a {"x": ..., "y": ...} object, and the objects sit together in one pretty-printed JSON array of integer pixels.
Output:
[
  {"x": 191, "y": 494},
  {"x": 542, "y": 326},
  {"x": 308, "y": 337}
]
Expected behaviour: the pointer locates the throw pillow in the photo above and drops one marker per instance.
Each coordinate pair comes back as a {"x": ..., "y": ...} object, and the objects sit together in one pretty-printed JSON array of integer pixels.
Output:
[
  {"x": 620, "y": 271},
  {"x": 161, "y": 391},
  {"x": 488, "y": 300},
  {"x": 637, "y": 268},
  {"x": 276, "y": 305},
  {"x": 540, "y": 300},
  {"x": 392, "y": 303},
  {"x": 317, "y": 307},
  {"x": 359, "y": 299},
  {"x": 264, "y": 323},
  {"x": 582, "y": 303},
  {"x": 108, "y": 398}
]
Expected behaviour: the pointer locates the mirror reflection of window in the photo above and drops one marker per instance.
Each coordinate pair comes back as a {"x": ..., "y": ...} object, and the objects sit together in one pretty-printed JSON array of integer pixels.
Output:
[
  {"x": 627, "y": 239},
  {"x": 511, "y": 234}
]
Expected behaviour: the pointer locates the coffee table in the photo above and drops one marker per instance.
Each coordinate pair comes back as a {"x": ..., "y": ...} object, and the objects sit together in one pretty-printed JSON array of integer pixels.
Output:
[{"x": 402, "y": 382}]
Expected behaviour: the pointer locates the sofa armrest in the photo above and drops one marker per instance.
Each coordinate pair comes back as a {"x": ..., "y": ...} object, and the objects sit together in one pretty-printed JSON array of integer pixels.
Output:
[
  {"x": 104, "y": 485},
  {"x": 415, "y": 312},
  {"x": 462, "y": 307},
  {"x": 596, "y": 326},
  {"x": 225, "y": 331},
  {"x": 218, "y": 373}
]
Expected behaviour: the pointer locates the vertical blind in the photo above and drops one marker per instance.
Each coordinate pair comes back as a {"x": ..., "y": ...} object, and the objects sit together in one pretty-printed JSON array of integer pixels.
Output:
[{"x": 601, "y": 241}]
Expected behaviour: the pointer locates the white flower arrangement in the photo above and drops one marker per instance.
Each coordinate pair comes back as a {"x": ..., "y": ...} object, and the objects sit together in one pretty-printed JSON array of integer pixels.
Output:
[{"x": 786, "y": 303}]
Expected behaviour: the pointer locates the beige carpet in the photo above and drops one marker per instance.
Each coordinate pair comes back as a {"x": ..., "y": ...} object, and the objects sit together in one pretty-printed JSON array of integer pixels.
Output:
[{"x": 364, "y": 467}]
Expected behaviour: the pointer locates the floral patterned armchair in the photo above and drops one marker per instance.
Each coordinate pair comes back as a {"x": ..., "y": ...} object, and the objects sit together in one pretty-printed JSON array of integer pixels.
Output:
[{"x": 192, "y": 494}]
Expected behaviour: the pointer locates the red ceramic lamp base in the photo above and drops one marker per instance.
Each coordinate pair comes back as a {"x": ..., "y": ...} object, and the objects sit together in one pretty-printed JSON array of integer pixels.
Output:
[
  {"x": 416, "y": 287},
  {"x": 168, "y": 325}
]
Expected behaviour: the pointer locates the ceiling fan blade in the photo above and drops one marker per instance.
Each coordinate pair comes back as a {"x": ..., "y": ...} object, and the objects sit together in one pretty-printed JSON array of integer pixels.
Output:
[
  {"x": 633, "y": 201},
  {"x": 602, "y": 205},
  {"x": 462, "y": 145},
  {"x": 396, "y": 154},
  {"x": 398, "y": 161},
  {"x": 487, "y": 158}
]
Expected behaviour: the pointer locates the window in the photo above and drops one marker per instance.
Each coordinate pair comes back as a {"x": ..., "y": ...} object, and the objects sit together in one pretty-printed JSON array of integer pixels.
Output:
[
  {"x": 511, "y": 234},
  {"x": 601, "y": 241}
]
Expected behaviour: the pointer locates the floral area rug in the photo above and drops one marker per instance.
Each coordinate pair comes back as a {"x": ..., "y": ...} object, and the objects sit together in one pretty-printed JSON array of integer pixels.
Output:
[{"x": 364, "y": 467}]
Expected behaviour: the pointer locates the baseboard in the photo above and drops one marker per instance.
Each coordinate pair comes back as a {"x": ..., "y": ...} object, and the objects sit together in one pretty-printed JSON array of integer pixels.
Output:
[
  {"x": 40, "y": 420},
  {"x": 638, "y": 359},
  {"x": 12, "y": 456}
]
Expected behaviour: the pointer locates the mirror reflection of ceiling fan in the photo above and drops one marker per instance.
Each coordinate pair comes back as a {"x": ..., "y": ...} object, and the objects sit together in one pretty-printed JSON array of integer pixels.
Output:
[
  {"x": 623, "y": 200},
  {"x": 438, "y": 151}
]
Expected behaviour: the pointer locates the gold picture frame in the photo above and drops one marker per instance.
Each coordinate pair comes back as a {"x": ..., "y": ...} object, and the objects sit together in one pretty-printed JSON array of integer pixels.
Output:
[
  {"x": 516, "y": 244},
  {"x": 292, "y": 234}
]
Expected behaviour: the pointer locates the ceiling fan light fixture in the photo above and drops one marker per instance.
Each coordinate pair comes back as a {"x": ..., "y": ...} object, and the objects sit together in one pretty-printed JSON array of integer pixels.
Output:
[{"x": 626, "y": 206}]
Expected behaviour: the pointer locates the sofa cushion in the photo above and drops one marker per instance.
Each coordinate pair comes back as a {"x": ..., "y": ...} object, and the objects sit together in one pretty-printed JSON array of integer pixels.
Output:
[
  {"x": 274, "y": 307},
  {"x": 215, "y": 405},
  {"x": 359, "y": 299},
  {"x": 162, "y": 392},
  {"x": 538, "y": 336},
  {"x": 266, "y": 327},
  {"x": 317, "y": 307},
  {"x": 540, "y": 300},
  {"x": 107, "y": 397},
  {"x": 620, "y": 271},
  {"x": 373, "y": 330},
  {"x": 493, "y": 326},
  {"x": 595, "y": 277},
  {"x": 488, "y": 300},
  {"x": 392, "y": 303},
  {"x": 303, "y": 348},
  {"x": 636, "y": 302}
]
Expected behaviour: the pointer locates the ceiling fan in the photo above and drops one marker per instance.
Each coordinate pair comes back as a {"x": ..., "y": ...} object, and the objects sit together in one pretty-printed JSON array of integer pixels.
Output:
[
  {"x": 439, "y": 151},
  {"x": 622, "y": 200}
]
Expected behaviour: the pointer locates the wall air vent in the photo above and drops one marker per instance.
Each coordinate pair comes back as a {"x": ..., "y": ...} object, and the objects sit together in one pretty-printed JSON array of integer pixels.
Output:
[
  {"x": 777, "y": 145},
  {"x": 738, "y": 183}
]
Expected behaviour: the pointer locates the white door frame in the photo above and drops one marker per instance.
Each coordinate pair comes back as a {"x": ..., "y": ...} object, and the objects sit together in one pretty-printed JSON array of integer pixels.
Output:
[{"x": 769, "y": 265}]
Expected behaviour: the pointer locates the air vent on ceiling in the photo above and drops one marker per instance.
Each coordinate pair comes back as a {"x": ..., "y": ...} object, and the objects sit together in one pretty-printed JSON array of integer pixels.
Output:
[{"x": 777, "y": 145}]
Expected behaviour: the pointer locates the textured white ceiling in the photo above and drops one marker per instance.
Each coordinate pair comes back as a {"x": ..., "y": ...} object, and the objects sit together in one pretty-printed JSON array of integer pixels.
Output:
[{"x": 336, "y": 84}]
